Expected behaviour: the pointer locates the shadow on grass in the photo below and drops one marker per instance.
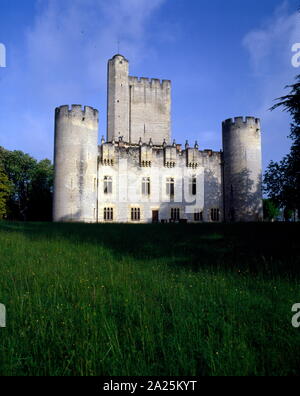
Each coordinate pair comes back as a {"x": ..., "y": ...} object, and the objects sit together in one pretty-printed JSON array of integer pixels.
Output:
[{"x": 255, "y": 247}]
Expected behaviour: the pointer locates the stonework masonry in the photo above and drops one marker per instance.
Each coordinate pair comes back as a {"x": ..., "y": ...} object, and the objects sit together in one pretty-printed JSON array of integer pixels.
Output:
[
  {"x": 137, "y": 108},
  {"x": 75, "y": 159},
  {"x": 138, "y": 174}
]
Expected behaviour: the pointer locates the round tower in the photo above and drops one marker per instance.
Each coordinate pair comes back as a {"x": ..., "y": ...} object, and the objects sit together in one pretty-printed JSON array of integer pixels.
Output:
[
  {"x": 75, "y": 164},
  {"x": 242, "y": 169}
]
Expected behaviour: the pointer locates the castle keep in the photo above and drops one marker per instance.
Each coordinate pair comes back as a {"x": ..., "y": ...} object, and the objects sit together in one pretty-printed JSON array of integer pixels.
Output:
[{"x": 138, "y": 174}]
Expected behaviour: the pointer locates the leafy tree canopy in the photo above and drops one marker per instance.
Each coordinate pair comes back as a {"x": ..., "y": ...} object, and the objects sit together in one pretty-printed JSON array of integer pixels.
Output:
[
  {"x": 32, "y": 184},
  {"x": 5, "y": 190},
  {"x": 282, "y": 180}
]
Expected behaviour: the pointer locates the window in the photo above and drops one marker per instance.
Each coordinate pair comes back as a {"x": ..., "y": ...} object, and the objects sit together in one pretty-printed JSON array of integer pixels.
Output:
[
  {"x": 175, "y": 214},
  {"x": 135, "y": 214},
  {"x": 193, "y": 185},
  {"x": 170, "y": 187},
  {"x": 107, "y": 184},
  {"x": 146, "y": 189},
  {"x": 108, "y": 214},
  {"x": 198, "y": 215},
  {"x": 215, "y": 214}
]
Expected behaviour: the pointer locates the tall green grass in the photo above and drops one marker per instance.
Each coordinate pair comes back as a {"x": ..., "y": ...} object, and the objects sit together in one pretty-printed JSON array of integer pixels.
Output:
[{"x": 149, "y": 299}]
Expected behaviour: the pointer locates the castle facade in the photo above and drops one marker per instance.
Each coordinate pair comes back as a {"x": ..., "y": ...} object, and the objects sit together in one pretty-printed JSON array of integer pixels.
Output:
[{"x": 139, "y": 174}]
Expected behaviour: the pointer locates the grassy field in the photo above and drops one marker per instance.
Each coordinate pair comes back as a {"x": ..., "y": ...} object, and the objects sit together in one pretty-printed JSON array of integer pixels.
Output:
[{"x": 149, "y": 299}]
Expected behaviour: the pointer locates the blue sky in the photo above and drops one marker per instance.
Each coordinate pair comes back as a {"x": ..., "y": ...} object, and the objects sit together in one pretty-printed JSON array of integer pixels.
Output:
[{"x": 225, "y": 59}]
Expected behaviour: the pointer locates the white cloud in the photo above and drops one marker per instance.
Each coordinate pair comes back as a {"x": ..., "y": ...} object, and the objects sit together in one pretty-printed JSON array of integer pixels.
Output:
[
  {"x": 64, "y": 61},
  {"x": 270, "y": 45},
  {"x": 270, "y": 54},
  {"x": 76, "y": 37}
]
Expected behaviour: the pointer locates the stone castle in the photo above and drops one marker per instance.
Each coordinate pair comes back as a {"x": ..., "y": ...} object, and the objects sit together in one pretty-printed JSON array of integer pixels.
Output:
[{"x": 138, "y": 174}]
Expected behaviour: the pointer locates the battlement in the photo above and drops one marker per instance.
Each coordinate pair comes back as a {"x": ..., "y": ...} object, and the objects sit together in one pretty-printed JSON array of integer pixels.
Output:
[
  {"x": 77, "y": 111},
  {"x": 149, "y": 82},
  {"x": 241, "y": 121},
  {"x": 161, "y": 147}
]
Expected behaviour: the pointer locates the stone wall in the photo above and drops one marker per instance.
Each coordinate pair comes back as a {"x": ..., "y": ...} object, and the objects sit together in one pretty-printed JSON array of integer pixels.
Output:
[
  {"x": 138, "y": 148},
  {"x": 127, "y": 175},
  {"x": 75, "y": 162},
  {"x": 242, "y": 169},
  {"x": 149, "y": 110},
  {"x": 137, "y": 108}
]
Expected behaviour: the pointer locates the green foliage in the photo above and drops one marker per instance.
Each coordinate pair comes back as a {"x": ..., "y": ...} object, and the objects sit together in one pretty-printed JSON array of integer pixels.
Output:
[
  {"x": 40, "y": 192},
  {"x": 282, "y": 180},
  {"x": 108, "y": 299},
  {"x": 279, "y": 185},
  {"x": 291, "y": 104},
  {"x": 271, "y": 211},
  {"x": 32, "y": 184},
  {"x": 5, "y": 189}
]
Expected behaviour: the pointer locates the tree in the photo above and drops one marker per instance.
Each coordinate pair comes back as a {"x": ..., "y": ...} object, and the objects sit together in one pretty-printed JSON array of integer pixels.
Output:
[
  {"x": 291, "y": 103},
  {"x": 5, "y": 190},
  {"x": 19, "y": 168},
  {"x": 40, "y": 192},
  {"x": 282, "y": 180},
  {"x": 32, "y": 184},
  {"x": 271, "y": 211}
]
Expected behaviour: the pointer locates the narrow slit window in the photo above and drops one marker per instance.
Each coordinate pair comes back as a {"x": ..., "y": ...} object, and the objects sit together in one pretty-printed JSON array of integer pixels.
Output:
[
  {"x": 107, "y": 185},
  {"x": 193, "y": 186}
]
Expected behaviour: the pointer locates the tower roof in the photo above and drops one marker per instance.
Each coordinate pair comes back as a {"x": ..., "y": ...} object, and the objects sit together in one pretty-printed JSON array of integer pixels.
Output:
[{"x": 119, "y": 56}]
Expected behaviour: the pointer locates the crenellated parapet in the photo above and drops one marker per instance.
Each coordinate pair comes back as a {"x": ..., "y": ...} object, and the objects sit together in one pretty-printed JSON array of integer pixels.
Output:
[
  {"x": 145, "y": 82},
  {"x": 239, "y": 122},
  {"x": 77, "y": 111},
  {"x": 86, "y": 116},
  {"x": 150, "y": 154}
]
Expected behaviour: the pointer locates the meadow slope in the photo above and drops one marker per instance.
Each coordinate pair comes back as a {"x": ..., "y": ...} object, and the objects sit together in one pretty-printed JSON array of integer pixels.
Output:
[{"x": 109, "y": 299}]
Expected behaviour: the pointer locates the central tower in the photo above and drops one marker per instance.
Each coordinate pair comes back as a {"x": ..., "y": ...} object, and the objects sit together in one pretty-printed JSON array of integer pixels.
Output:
[
  {"x": 138, "y": 108},
  {"x": 117, "y": 99}
]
